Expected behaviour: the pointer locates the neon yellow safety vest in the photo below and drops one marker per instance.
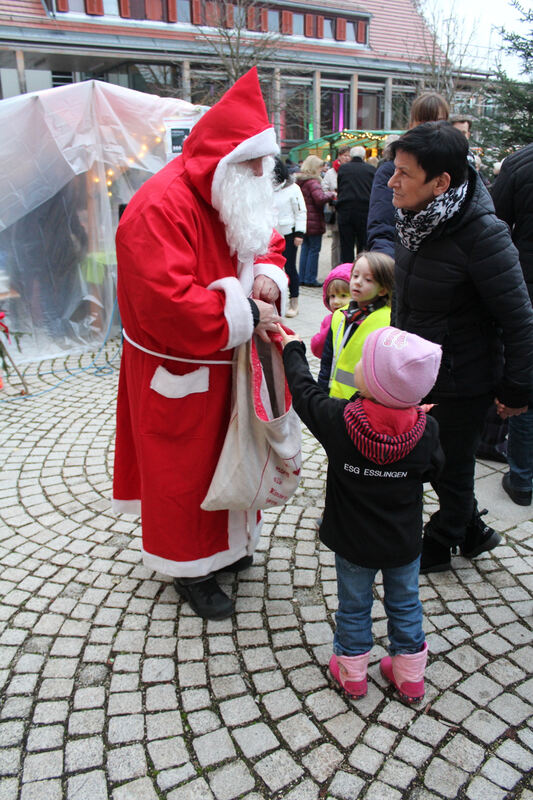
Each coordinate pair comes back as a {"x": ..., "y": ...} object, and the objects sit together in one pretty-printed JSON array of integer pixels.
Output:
[{"x": 342, "y": 382}]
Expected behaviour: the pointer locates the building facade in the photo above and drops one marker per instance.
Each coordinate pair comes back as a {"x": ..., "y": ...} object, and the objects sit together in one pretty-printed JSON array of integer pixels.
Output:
[{"x": 324, "y": 66}]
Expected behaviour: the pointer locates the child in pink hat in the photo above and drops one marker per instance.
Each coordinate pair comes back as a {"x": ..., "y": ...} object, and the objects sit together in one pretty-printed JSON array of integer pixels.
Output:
[
  {"x": 381, "y": 449},
  {"x": 336, "y": 294},
  {"x": 371, "y": 285}
]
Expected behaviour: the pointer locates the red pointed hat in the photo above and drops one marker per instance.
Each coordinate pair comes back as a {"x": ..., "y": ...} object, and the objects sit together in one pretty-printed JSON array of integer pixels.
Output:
[{"x": 235, "y": 129}]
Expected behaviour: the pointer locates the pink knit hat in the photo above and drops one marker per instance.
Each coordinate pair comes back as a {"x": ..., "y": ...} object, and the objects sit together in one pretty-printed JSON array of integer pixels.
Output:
[
  {"x": 399, "y": 368},
  {"x": 342, "y": 272}
]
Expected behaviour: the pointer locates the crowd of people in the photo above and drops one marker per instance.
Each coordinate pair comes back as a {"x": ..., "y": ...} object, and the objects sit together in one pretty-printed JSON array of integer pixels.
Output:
[{"x": 429, "y": 325}]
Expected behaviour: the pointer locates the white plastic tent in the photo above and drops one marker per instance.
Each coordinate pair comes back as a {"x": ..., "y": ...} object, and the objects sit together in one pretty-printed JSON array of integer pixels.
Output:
[{"x": 69, "y": 158}]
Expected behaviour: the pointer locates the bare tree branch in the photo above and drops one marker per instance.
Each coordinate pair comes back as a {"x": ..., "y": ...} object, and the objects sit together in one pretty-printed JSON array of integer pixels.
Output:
[
  {"x": 446, "y": 45},
  {"x": 237, "y": 48}
]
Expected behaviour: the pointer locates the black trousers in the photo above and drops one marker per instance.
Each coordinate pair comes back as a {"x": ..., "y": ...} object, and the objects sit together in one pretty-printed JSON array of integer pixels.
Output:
[
  {"x": 461, "y": 422},
  {"x": 290, "y": 265},
  {"x": 352, "y": 232}
]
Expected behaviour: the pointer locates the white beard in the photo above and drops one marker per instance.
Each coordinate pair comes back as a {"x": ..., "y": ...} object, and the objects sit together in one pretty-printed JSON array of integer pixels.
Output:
[{"x": 247, "y": 209}]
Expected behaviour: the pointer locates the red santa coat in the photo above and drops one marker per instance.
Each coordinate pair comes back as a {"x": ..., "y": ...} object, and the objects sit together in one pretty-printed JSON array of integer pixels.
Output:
[{"x": 183, "y": 304}]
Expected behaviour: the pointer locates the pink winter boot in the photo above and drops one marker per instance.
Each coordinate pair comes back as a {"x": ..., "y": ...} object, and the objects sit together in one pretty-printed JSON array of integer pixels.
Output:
[
  {"x": 406, "y": 672},
  {"x": 350, "y": 673}
]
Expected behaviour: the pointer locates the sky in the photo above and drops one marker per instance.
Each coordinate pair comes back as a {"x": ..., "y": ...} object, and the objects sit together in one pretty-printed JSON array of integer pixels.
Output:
[{"x": 483, "y": 18}]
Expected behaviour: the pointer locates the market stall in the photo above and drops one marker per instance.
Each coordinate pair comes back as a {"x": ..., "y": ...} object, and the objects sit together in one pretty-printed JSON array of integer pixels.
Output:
[
  {"x": 70, "y": 159},
  {"x": 327, "y": 146}
]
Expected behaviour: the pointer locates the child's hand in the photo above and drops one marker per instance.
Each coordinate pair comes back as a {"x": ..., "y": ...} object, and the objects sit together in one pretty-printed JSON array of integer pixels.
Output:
[{"x": 286, "y": 338}]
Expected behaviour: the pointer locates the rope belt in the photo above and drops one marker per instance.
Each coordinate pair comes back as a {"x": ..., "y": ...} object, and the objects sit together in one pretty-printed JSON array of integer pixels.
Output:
[{"x": 170, "y": 358}]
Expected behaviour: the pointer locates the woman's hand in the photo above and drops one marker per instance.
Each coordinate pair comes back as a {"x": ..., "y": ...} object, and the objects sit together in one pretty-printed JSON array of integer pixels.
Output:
[{"x": 504, "y": 412}]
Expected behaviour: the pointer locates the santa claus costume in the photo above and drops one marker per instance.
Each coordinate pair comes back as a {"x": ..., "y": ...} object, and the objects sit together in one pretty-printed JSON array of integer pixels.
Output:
[{"x": 183, "y": 300}]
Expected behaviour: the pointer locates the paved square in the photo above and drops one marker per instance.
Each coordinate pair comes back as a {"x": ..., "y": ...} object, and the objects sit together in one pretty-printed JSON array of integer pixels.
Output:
[{"x": 114, "y": 690}]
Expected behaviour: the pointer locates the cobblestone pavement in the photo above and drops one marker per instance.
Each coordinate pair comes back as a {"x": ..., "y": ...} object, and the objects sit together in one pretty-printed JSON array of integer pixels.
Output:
[{"x": 112, "y": 688}]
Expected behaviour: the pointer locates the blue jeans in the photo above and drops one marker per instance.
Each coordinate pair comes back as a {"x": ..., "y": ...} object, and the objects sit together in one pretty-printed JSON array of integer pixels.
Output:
[
  {"x": 309, "y": 257},
  {"x": 520, "y": 449},
  {"x": 354, "y": 616}
]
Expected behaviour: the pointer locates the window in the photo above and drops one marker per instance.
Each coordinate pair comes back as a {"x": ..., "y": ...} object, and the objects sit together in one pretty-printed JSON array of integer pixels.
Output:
[
  {"x": 61, "y": 78},
  {"x": 328, "y": 28},
  {"x": 76, "y": 5},
  {"x": 334, "y": 104},
  {"x": 273, "y": 21},
  {"x": 137, "y": 9},
  {"x": 368, "y": 110},
  {"x": 357, "y": 31},
  {"x": 239, "y": 17},
  {"x": 184, "y": 11},
  {"x": 298, "y": 24},
  {"x": 111, "y": 8},
  {"x": 295, "y": 114},
  {"x": 148, "y": 9}
]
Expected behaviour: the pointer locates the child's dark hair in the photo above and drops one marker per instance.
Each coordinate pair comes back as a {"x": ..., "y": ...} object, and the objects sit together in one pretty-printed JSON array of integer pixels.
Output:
[
  {"x": 382, "y": 269},
  {"x": 281, "y": 171}
]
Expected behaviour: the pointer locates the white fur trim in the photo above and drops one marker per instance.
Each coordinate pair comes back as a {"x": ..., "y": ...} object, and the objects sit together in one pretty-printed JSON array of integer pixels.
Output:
[
  {"x": 258, "y": 146},
  {"x": 236, "y": 310},
  {"x": 126, "y": 507},
  {"x": 243, "y": 534},
  {"x": 246, "y": 276},
  {"x": 169, "y": 385},
  {"x": 280, "y": 279}
]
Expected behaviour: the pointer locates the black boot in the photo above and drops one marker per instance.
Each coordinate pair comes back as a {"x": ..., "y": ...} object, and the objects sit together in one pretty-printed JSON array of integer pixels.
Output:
[
  {"x": 522, "y": 497},
  {"x": 205, "y": 597},
  {"x": 479, "y": 538},
  {"x": 436, "y": 553},
  {"x": 238, "y": 566},
  {"x": 435, "y": 556}
]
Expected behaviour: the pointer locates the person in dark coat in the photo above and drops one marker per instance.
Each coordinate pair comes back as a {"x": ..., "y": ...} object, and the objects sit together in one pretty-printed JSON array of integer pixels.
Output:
[
  {"x": 512, "y": 193},
  {"x": 458, "y": 282},
  {"x": 427, "y": 107},
  {"x": 354, "y": 184}
]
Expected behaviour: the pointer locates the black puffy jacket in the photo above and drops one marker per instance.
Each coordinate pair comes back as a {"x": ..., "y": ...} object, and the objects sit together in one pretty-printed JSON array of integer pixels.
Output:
[
  {"x": 464, "y": 289},
  {"x": 512, "y": 194}
]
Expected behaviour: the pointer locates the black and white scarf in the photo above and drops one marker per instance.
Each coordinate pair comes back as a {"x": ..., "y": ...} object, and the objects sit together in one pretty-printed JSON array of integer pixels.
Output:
[
  {"x": 358, "y": 315},
  {"x": 414, "y": 226}
]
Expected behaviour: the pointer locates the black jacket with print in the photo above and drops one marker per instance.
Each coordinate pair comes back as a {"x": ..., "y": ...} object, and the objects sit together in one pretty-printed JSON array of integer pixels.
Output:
[{"x": 373, "y": 510}]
